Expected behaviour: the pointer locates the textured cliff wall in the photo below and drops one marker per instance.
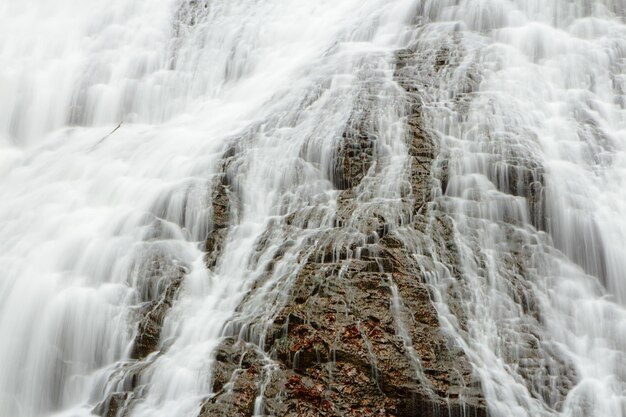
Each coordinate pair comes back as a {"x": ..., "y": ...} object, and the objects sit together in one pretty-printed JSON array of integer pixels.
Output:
[
  {"x": 352, "y": 330},
  {"x": 302, "y": 208},
  {"x": 356, "y": 332}
]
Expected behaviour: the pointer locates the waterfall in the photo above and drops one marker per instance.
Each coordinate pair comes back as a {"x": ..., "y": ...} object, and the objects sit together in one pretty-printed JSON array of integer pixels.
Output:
[
  {"x": 529, "y": 111},
  {"x": 170, "y": 171}
]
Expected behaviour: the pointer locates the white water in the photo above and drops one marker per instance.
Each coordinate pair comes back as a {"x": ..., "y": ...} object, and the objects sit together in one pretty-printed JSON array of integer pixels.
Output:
[
  {"x": 83, "y": 217},
  {"x": 536, "y": 90},
  {"x": 83, "y": 213}
]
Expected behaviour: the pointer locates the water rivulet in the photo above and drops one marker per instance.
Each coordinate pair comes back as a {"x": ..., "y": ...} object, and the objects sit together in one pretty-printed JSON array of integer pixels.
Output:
[{"x": 286, "y": 207}]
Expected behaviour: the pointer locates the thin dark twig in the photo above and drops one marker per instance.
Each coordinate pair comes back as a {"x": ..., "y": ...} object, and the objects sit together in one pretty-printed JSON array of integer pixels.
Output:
[{"x": 106, "y": 137}]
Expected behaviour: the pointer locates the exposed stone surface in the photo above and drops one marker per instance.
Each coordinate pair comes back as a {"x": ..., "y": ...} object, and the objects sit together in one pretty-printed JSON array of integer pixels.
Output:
[
  {"x": 355, "y": 152},
  {"x": 159, "y": 279},
  {"x": 221, "y": 208},
  {"x": 354, "y": 332},
  {"x": 113, "y": 406},
  {"x": 336, "y": 349},
  {"x": 153, "y": 314},
  {"x": 357, "y": 334},
  {"x": 515, "y": 170},
  {"x": 124, "y": 386},
  {"x": 223, "y": 204},
  {"x": 236, "y": 370}
]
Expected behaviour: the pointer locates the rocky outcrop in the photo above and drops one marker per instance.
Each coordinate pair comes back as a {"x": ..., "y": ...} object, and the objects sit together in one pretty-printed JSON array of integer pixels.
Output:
[
  {"x": 354, "y": 338},
  {"x": 124, "y": 388},
  {"x": 223, "y": 208},
  {"x": 159, "y": 280},
  {"x": 353, "y": 329},
  {"x": 515, "y": 170},
  {"x": 355, "y": 152},
  {"x": 152, "y": 316},
  {"x": 357, "y": 333}
]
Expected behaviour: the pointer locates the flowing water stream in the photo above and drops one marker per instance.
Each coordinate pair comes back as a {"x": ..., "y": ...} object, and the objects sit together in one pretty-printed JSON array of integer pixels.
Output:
[
  {"x": 530, "y": 115},
  {"x": 118, "y": 117}
]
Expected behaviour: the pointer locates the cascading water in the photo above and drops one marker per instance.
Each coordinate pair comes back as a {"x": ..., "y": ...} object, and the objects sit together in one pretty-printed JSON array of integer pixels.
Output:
[
  {"x": 167, "y": 170},
  {"x": 529, "y": 110}
]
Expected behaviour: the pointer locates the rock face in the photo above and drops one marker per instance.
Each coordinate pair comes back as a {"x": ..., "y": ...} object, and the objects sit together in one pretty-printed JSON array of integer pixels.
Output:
[
  {"x": 223, "y": 205},
  {"x": 352, "y": 327},
  {"x": 353, "y": 332},
  {"x": 337, "y": 350},
  {"x": 153, "y": 314},
  {"x": 514, "y": 171},
  {"x": 357, "y": 334},
  {"x": 354, "y": 153},
  {"x": 160, "y": 280}
]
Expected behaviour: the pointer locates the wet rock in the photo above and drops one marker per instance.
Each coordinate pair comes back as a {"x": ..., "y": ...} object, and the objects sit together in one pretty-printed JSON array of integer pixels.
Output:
[
  {"x": 158, "y": 280},
  {"x": 335, "y": 346},
  {"x": 356, "y": 148},
  {"x": 235, "y": 373},
  {"x": 214, "y": 246},
  {"x": 353, "y": 159},
  {"x": 149, "y": 327},
  {"x": 337, "y": 351},
  {"x": 123, "y": 389},
  {"x": 113, "y": 406},
  {"x": 224, "y": 206},
  {"x": 356, "y": 333}
]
